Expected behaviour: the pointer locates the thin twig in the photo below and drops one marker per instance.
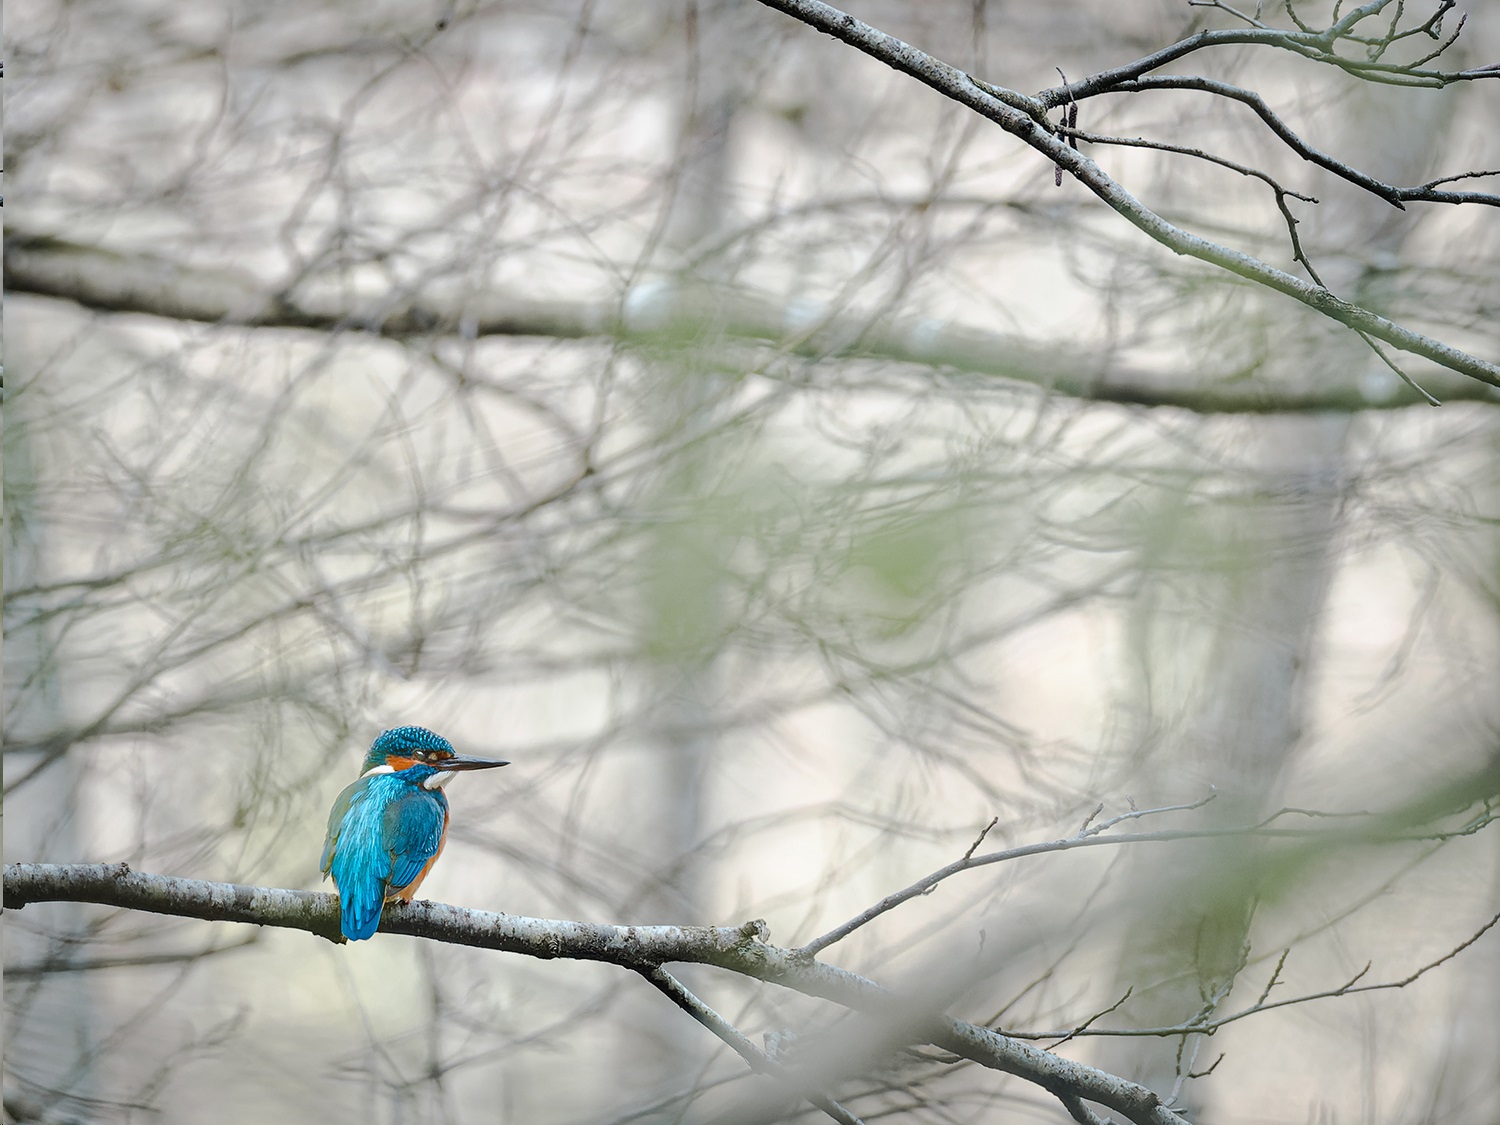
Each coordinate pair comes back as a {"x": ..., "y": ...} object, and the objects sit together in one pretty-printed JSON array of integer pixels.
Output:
[
  {"x": 1459, "y": 176},
  {"x": 1090, "y": 838},
  {"x": 1211, "y": 1068},
  {"x": 756, "y": 1058},
  {"x": 1319, "y": 814},
  {"x": 1182, "y": 150},
  {"x": 1396, "y": 196},
  {"x": 974, "y": 847},
  {"x": 1136, "y": 814},
  {"x": 1275, "y": 976},
  {"x": 1086, "y": 1024},
  {"x": 1026, "y": 118},
  {"x": 1082, "y": 828},
  {"x": 922, "y": 886},
  {"x": 1208, "y": 1027},
  {"x": 1253, "y": 21},
  {"x": 1299, "y": 254},
  {"x": 1432, "y": 400},
  {"x": 1444, "y": 45}
]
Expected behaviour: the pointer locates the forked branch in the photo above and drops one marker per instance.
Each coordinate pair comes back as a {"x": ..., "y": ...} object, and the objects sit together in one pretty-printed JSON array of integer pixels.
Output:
[
  {"x": 1025, "y": 117},
  {"x": 643, "y": 949}
]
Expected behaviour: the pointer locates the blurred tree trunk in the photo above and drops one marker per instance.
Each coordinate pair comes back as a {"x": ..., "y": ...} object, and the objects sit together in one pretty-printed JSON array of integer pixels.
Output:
[
  {"x": 683, "y": 596},
  {"x": 49, "y": 1070},
  {"x": 1267, "y": 588}
]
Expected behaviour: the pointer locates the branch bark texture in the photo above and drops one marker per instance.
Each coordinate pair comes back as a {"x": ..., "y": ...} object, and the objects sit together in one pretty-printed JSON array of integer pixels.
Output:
[{"x": 741, "y": 949}]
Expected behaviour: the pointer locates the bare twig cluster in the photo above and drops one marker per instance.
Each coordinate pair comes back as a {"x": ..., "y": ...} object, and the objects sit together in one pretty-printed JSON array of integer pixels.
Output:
[
  {"x": 899, "y": 1020},
  {"x": 1026, "y": 117}
]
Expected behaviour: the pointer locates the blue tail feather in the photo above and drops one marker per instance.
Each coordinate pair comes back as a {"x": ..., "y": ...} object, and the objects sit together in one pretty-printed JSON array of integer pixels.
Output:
[{"x": 357, "y": 919}]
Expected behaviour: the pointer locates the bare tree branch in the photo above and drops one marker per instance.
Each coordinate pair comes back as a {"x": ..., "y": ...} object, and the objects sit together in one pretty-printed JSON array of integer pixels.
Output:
[
  {"x": 1316, "y": 45},
  {"x": 1387, "y": 828},
  {"x": 1209, "y": 1026},
  {"x": 740, "y": 949},
  {"x": 1025, "y": 118},
  {"x": 95, "y": 964},
  {"x": 108, "y": 281},
  {"x": 674, "y": 990},
  {"x": 1396, "y": 196}
]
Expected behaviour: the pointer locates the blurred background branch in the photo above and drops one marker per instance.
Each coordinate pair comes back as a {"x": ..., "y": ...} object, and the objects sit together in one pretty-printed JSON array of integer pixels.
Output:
[{"x": 761, "y": 452}]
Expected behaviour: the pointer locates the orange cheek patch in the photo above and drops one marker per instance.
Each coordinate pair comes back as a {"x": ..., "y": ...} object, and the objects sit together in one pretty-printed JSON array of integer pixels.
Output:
[{"x": 399, "y": 764}]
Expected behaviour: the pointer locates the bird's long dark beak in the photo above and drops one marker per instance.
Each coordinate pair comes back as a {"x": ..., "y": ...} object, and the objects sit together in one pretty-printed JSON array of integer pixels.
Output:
[{"x": 458, "y": 762}]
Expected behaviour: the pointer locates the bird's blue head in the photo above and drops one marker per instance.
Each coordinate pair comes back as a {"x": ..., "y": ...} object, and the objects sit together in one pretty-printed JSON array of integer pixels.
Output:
[{"x": 405, "y": 747}]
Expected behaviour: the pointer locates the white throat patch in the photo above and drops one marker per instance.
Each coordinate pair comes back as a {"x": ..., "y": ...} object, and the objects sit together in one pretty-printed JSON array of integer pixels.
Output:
[{"x": 438, "y": 780}]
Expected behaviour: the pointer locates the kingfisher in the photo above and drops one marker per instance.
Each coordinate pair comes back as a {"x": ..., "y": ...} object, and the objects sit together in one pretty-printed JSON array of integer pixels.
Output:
[{"x": 387, "y": 829}]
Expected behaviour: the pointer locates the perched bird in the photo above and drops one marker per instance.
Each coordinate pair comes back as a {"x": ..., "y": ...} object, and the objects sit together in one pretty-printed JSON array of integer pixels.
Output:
[{"x": 387, "y": 829}]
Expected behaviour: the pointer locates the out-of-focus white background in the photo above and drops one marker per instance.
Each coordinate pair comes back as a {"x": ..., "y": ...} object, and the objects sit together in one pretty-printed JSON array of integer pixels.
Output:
[{"x": 764, "y": 455}]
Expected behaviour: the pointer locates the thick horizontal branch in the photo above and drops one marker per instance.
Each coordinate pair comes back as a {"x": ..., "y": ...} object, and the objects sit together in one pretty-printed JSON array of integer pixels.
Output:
[
  {"x": 66, "y": 964},
  {"x": 109, "y": 281},
  {"x": 1025, "y": 118},
  {"x": 141, "y": 283},
  {"x": 740, "y": 949}
]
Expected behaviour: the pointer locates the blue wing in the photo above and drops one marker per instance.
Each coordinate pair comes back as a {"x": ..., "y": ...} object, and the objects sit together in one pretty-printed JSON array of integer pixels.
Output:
[
  {"x": 414, "y": 824},
  {"x": 381, "y": 833},
  {"x": 336, "y": 825}
]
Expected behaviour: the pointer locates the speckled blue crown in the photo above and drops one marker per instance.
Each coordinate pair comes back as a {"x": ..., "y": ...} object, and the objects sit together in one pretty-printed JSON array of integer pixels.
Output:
[{"x": 404, "y": 740}]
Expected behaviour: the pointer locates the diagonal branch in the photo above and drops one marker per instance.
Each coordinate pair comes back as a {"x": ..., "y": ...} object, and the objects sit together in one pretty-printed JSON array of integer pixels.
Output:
[
  {"x": 1025, "y": 118},
  {"x": 1369, "y": 828},
  {"x": 1316, "y": 45},
  {"x": 1198, "y": 1026},
  {"x": 759, "y": 1061},
  {"x": 1395, "y": 196}
]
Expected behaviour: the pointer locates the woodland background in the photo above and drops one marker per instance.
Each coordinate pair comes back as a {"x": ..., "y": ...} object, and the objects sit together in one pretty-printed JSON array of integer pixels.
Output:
[{"x": 763, "y": 454}]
